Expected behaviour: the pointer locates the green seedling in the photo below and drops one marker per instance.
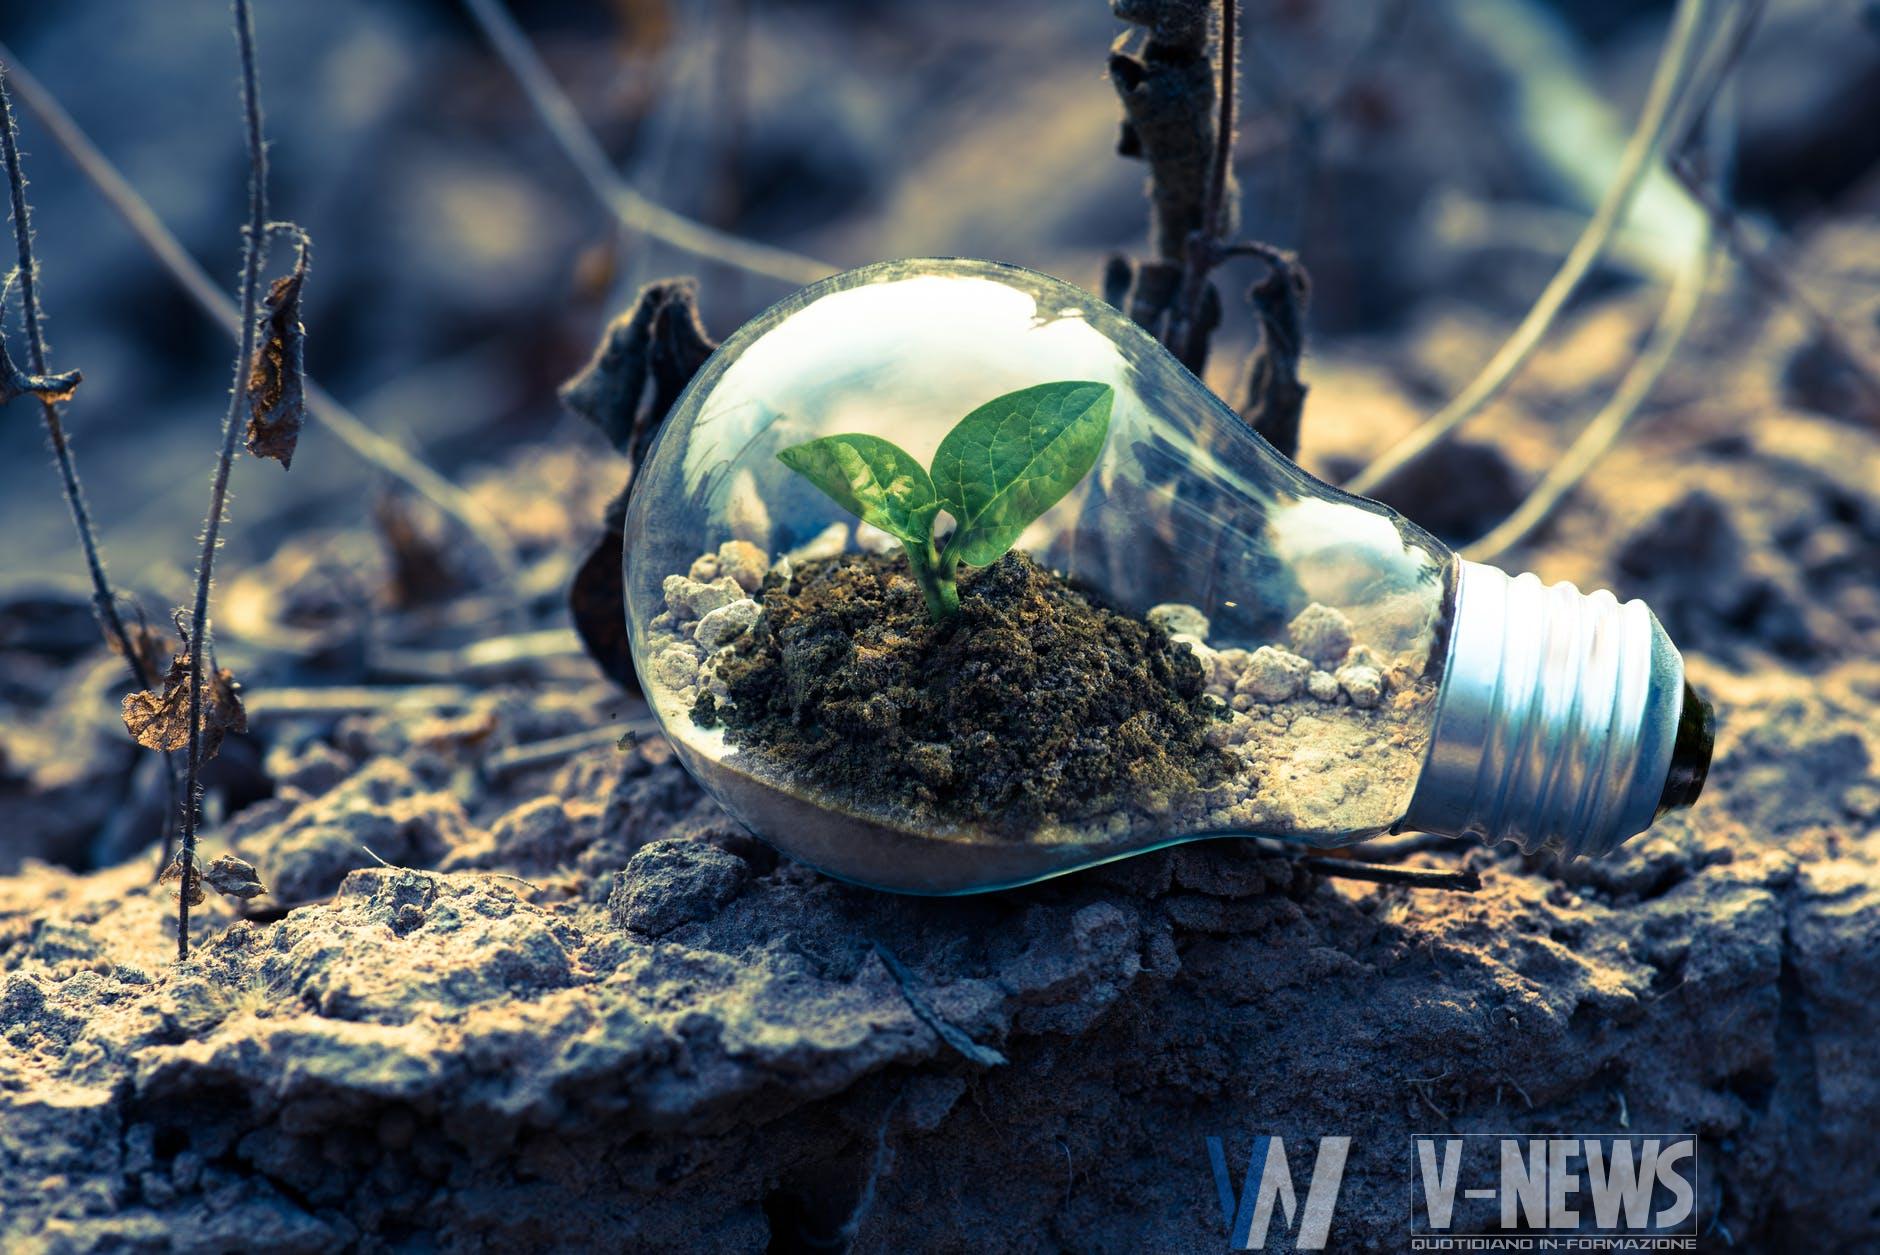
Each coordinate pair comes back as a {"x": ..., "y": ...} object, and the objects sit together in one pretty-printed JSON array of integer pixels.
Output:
[{"x": 1000, "y": 467}]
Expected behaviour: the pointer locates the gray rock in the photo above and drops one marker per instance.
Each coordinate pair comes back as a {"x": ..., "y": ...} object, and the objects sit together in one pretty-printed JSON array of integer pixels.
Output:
[
  {"x": 671, "y": 883},
  {"x": 1179, "y": 619},
  {"x": 828, "y": 543},
  {"x": 1321, "y": 634},
  {"x": 676, "y": 666},
  {"x": 1272, "y": 675},
  {"x": 690, "y": 599},
  {"x": 1362, "y": 684},
  {"x": 743, "y": 562},
  {"x": 727, "y": 623}
]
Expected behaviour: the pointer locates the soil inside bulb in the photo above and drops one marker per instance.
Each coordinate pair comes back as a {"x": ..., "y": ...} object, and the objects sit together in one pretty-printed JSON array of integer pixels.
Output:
[
  {"x": 1033, "y": 705},
  {"x": 1038, "y": 713}
]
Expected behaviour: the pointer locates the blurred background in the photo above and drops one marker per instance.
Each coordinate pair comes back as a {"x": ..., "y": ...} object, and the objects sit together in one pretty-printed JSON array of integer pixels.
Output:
[{"x": 1431, "y": 163}]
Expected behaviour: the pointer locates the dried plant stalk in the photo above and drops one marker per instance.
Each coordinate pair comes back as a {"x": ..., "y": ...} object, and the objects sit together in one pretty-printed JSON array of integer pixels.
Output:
[
  {"x": 254, "y": 250},
  {"x": 103, "y": 600},
  {"x": 352, "y": 431},
  {"x": 1656, "y": 121},
  {"x": 633, "y": 211}
]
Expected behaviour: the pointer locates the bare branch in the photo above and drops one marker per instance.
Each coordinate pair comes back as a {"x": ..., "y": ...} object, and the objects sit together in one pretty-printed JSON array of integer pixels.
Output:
[
  {"x": 1202, "y": 248},
  {"x": 1465, "y": 881},
  {"x": 169, "y": 252},
  {"x": 1669, "y": 79},
  {"x": 634, "y": 211},
  {"x": 254, "y": 252},
  {"x": 1609, "y": 424},
  {"x": 103, "y": 599}
]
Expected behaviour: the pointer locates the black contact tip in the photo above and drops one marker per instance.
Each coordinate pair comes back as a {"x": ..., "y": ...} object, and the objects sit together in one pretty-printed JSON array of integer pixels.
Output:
[{"x": 1690, "y": 755}]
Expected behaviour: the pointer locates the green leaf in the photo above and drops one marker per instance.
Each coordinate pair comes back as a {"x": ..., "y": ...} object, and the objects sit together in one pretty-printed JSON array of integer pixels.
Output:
[
  {"x": 1011, "y": 459},
  {"x": 873, "y": 479}
]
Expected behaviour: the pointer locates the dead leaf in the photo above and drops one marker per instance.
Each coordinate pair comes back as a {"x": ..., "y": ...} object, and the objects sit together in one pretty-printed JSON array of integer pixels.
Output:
[
  {"x": 644, "y": 361},
  {"x": 659, "y": 341},
  {"x": 190, "y": 884},
  {"x": 234, "y": 877},
  {"x": 597, "y": 605},
  {"x": 160, "y": 721},
  {"x": 277, "y": 384},
  {"x": 1276, "y": 397}
]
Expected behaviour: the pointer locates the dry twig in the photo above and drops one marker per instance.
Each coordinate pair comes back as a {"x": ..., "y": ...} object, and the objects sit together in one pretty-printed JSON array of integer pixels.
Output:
[
  {"x": 254, "y": 252},
  {"x": 1671, "y": 76},
  {"x": 633, "y": 211},
  {"x": 103, "y": 599},
  {"x": 347, "y": 427},
  {"x": 1610, "y": 423},
  {"x": 1465, "y": 881}
]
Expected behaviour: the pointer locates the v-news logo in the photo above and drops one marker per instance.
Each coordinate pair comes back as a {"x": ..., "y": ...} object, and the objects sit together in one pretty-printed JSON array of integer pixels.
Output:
[{"x": 1482, "y": 1192}]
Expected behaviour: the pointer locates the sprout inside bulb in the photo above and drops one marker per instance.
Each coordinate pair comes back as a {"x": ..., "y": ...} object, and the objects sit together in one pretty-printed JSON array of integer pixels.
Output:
[{"x": 1049, "y": 641}]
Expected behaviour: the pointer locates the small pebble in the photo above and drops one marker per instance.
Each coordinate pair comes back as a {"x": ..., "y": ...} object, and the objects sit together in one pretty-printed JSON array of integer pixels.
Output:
[
  {"x": 1321, "y": 634},
  {"x": 1179, "y": 619},
  {"x": 828, "y": 543},
  {"x": 743, "y": 562},
  {"x": 676, "y": 667},
  {"x": 704, "y": 568},
  {"x": 690, "y": 599},
  {"x": 1272, "y": 675},
  {"x": 783, "y": 568},
  {"x": 1323, "y": 685},
  {"x": 727, "y": 623},
  {"x": 1362, "y": 684}
]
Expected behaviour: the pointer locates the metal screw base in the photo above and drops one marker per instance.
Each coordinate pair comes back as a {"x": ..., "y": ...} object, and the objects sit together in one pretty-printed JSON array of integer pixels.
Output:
[{"x": 1558, "y": 720}]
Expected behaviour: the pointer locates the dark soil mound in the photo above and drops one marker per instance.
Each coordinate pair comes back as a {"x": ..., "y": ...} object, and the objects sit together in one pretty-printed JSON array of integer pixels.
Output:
[{"x": 1033, "y": 704}]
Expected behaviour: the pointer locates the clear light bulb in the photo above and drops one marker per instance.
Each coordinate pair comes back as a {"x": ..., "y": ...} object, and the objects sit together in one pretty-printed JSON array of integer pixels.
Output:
[{"x": 1356, "y": 677}]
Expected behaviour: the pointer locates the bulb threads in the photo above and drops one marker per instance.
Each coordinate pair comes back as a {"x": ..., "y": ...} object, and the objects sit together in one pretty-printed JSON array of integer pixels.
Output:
[{"x": 1558, "y": 724}]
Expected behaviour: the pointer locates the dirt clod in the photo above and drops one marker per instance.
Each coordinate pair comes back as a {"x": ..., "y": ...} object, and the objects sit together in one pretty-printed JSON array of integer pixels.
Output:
[{"x": 1035, "y": 705}]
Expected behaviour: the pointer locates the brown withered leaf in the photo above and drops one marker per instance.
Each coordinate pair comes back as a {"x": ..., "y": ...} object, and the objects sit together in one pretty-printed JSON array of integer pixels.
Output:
[
  {"x": 1276, "y": 396},
  {"x": 642, "y": 364},
  {"x": 190, "y": 884},
  {"x": 277, "y": 384},
  {"x": 235, "y": 877},
  {"x": 160, "y": 721}
]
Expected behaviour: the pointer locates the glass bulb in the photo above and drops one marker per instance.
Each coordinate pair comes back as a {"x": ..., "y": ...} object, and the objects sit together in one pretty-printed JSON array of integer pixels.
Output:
[{"x": 1198, "y": 640}]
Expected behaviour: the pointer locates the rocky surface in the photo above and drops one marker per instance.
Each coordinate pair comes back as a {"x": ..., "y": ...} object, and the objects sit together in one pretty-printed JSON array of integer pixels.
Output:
[
  {"x": 622, "y": 1024},
  {"x": 570, "y": 1007}
]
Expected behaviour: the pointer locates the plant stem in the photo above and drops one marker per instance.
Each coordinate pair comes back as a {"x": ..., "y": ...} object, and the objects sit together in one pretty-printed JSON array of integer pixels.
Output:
[
  {"x": 1464, "y": 881},
  {"x": 254, "y": 248},
  {"x": 1670, "y": 79},
  {"x": 936, "y": 582},
  {"x": 1202, "y": 245},
  {"x": 352, "y": 431},
  {"x": 104, "y": 602}
]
